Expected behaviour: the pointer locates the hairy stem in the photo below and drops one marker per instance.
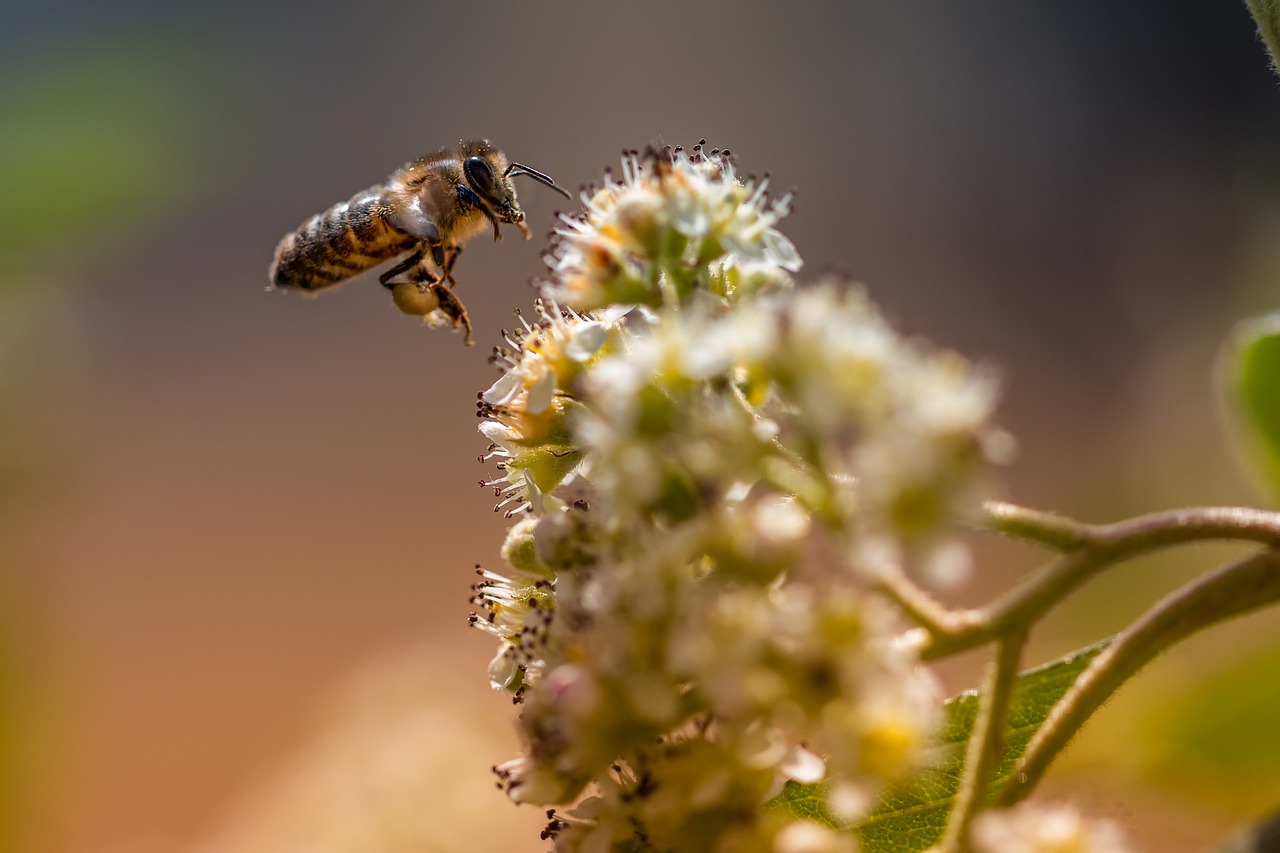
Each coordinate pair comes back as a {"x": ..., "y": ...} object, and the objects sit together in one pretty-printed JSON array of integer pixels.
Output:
[
  {"x": 1098, "y": 547},
  {"x": 1136, "y": 535},
  {"x": 935, "y": 619},
  {"x": 986, "y": 743},
  {"x": 1223, "y": 594},
  {"x": 1031, "y": 525}
]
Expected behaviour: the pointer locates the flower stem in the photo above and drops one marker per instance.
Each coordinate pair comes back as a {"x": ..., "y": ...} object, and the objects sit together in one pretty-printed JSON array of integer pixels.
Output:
[
  {"x": 1041, "y": 528},
  {"x": 937, "y": 621},
  {"x": 1099, "y": 547},
  {"x": 1225, "y": 593},
  {"x": 986, "y": 744},
  {"x": 1135, "y": 535}
]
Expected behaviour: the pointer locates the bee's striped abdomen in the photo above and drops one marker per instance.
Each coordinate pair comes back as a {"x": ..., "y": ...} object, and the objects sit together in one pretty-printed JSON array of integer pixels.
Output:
[{"x": 332, "y": 246}]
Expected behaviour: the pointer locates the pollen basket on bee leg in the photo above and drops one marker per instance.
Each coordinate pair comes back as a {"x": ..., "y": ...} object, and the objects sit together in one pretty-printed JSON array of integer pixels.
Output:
[{"x": 415, "y": 299}]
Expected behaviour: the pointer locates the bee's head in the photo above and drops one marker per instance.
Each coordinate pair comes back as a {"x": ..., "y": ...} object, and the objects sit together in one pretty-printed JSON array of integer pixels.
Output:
[{"x": 489, "y": 176}]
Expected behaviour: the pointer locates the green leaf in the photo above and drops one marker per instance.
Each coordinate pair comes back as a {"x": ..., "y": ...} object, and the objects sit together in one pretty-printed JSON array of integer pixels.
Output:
[
  {"x": 911, "y": 816},
  {"x": 1266, "y": 13},
  {"x": 1248, "y": 380}
]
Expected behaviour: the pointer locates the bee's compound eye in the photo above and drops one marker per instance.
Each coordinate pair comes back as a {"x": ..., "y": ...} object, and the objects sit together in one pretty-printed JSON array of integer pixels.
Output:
[{"x": 479, "y": 175}]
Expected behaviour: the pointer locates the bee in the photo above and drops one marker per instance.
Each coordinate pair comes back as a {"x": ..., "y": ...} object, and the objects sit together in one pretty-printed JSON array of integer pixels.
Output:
[{"x": 426, "y": 211}]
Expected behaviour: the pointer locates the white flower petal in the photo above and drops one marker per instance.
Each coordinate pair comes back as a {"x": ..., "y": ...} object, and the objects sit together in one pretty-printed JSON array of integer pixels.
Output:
[
  {"x": 586, "y": 340},
  {"x": 502, "y": 669},
  {"x": 782, "y": 251},
  {"x": 803, "y": 766},
  {"x": 541, "y": 392},
  {"x": 504, "y": 390},
  {"x": 497, "y": 433}
]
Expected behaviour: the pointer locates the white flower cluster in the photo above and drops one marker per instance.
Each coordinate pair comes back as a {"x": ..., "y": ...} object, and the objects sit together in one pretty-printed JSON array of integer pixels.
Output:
[
  {"x": 708, "y": 464},
  {"x": 1046, "y": 828},
  {"x": 675, "y": 222}
]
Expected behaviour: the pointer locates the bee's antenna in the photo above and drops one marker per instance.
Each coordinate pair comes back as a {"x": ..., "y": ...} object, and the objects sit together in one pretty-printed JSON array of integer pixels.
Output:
[{"x": 516, "y": 169}]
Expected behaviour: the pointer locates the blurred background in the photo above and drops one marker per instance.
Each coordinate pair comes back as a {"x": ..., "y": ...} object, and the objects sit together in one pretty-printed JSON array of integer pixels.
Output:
[{"x": 238, "y": 527}]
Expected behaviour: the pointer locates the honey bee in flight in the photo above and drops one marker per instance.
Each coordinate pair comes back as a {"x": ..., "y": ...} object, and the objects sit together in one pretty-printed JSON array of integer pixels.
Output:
[{"x": 428, "y": 209}]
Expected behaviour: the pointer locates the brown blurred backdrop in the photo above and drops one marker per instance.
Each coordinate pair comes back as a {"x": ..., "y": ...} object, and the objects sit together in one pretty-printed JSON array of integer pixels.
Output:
[{"x": 220, "y": 505}]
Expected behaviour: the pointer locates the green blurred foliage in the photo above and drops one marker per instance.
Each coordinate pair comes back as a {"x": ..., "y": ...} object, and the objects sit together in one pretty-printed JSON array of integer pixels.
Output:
[
  {"x": 97, "y": 141},
  {"x": 1219, "y": 741},
  {"x": 93, "y": 141},
  {"x": 1248, "y": 379}
]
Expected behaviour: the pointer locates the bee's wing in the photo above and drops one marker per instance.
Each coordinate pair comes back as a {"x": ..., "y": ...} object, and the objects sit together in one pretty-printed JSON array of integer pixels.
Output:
[{"x": 410, "y": 218}]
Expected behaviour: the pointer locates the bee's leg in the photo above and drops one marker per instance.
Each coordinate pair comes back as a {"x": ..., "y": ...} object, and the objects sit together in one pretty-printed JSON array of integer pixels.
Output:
[
  {"x": 423, "y": 293},
  {"x": 412, "y": 220},
  {"x": 451, "y": 258},
  {"x": 411, "y": 293},
  {"x": 404, "y": 266},
  {"x": 438, "y": 255},
  {"x": 468, "y": 197},
  {"x": 451, "y": 306}
]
